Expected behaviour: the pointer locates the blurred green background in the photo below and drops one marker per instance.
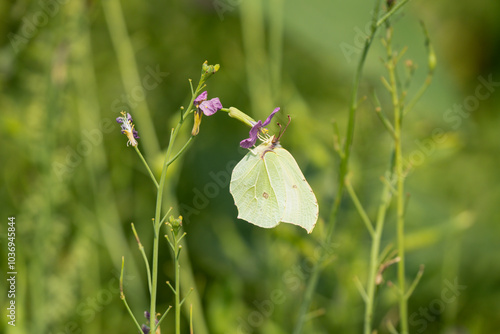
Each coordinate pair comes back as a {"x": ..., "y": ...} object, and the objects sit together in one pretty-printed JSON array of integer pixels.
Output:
[{"x": 67, "y": 68}]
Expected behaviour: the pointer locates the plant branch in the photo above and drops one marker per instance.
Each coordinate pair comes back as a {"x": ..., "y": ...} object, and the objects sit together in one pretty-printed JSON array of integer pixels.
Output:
[
  {"x": 163, "y": 316},
  {"x": 122, "y": 296},
  {"x": 344, "y": 163},
  {"x": 415, "y": 282},
  {"x": 391, "y": 12},
  {"x": 399, "y": 174},
  {"x": 181, "y": 150},
  {"x": 159, "y": 199},
  {"x": 359, "y": 207},
  {"x": 147, "y": 166},
  {"x": 375, "y": 256},
  {"x": 146, "y": 262}
]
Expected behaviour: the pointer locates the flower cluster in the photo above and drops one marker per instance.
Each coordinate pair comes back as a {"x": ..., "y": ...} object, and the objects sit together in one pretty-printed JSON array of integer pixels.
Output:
[
  {"x": 128, "y": 128},
  {"x": 209, "y": 108}
]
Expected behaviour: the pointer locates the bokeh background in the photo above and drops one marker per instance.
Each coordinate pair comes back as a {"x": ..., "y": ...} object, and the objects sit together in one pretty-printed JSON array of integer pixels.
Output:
[{"x": 67, "y": 68}]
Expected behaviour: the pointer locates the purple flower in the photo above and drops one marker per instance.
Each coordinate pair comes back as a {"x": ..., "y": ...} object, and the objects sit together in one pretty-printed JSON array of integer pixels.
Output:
[
  {"x": 128, "y": 128},
  {"x": 203, "y": 106},
  {"x": 202, "y": 97},
  {"x": 145, "y": 329},
  {"x": 210, "y": 107},
  {"x": 256, "y": 129}
]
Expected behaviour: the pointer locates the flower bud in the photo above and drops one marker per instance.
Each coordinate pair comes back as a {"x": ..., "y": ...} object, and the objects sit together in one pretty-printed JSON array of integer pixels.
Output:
[
  {"x": 432, "y": 60},
  {"x": 241, "y": 116},
  {"x": 207, "y": 71},
  {"x": 175, "y": 223}
]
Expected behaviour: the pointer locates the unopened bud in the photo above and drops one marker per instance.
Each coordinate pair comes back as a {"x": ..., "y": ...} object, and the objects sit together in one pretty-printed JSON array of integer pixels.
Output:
[
  {"x": 432, "y": 59},
  {"x": 208, "y": 70},
  {"x": 175, "y": 223},
  {"x": 241, "y": 116}
]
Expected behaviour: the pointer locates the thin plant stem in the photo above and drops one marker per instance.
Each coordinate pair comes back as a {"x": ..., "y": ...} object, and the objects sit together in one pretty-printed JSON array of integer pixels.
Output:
[
  {"x": 344, "y": 162},
  {"x": 176, "y": 249},
  {"x": 400, "y": 178},
  {"x": 361, "y": 289},
  {"x": 415, "y": 282},
  {"x": 181, "y": 150},
  {"x": 313, "y": 280},
  {"x": 164, "y": 315},
  {"x": 177, "y": 286},
  {"x": 256, "y": 57},
  {"x": 276, "y": 27},
  {"x": 122, "y": 297},
  {"x": 375, "y": 258},
  {"x": 146, "y": 262},
  {"x": 359, "y": 207},
  {"x": 147, "y": 166},
  {"x": 127, "y": 64},
  {"x": 391, "y": 12},
  {"x": 159, "y": 198},
  {"x": 419, "y": 94},
  {"x": 385, "y": 121},
  {"x": 191, "y": 319},
  {"x": 391, "y": 328},
  {"x": 165, "y": 216},
  {"x": 174, "y": 243},
  {"x": 430, "y": 74}
]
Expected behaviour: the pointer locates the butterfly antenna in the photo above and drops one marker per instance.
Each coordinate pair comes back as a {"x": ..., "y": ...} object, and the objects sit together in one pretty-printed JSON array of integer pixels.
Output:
[{"x": 282, "y": 131}]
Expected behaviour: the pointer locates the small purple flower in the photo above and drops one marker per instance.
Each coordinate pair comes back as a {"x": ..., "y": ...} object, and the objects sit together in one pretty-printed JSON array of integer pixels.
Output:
[
  {"x": 202, "y": 97},
  {"x": 128, "y": 128},
  {"x": 146, "y": 315},
  {"x": 256, "y": 129},
  {"x": 145, "y": 329},
  {"x": 203, "y": 106},
  {"x": 210, "y": 107}
]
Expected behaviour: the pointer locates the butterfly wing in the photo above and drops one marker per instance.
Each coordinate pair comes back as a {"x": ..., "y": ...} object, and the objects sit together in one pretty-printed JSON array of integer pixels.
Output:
[
  {"x": 253, "y": 191},
  {"x": 301, "y": 206}
]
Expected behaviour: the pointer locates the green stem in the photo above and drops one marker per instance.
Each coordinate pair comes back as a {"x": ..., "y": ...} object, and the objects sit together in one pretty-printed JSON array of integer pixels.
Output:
[
  {"x": 256, "y": 59},
  {"x": 432, "y": 65},
  {"x": 181, "y": 150},
  {"x": 415, "y": 282},
  {"x": 127, "y": 64},
  {"x": 400, "y": 198},
  {"x": 177, "y": 286},
  {"x": 419, "y": 94},
  {"x": 391, "y": 12},
  {"x": 122, "y": 297},
  {"x": 344, "y": 163},
  {"x": 147, "y": 166},
  {"x": 141, "y": 249},
  {"x": 359, "y": 207},
  {"x": 374, "y": 257},
  {"x": 159, "y": 198},
  {"x": 313, "y": 280},
  {"x": 164, "y": 315}
]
